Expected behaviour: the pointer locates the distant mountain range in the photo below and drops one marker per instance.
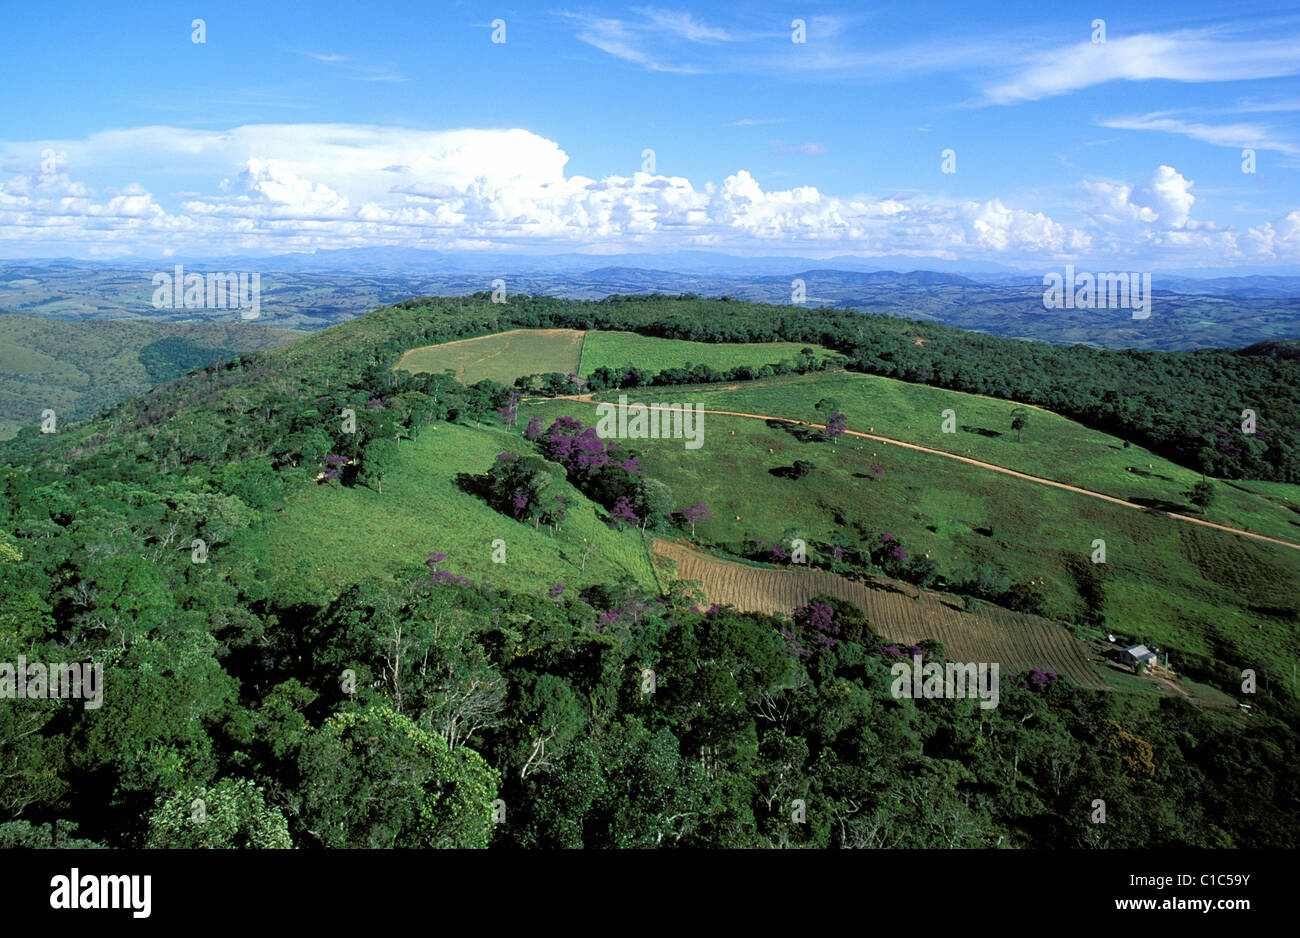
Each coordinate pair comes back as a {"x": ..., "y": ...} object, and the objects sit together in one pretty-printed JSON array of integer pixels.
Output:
[
  {"x": 417, "y": 261},
  {"x": 1283, "y": 282},
  {"x": 309, "y": 291}
]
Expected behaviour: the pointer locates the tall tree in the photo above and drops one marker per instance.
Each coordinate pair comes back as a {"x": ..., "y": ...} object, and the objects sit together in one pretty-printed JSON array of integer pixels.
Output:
[
  {"x": 233, "y": 813},
  {"x": 1019, "y": 420},
  {"x": 693, "y": 514},
  {"x": 377, "y": 459},
  {"x": 1203, "y": 495}
]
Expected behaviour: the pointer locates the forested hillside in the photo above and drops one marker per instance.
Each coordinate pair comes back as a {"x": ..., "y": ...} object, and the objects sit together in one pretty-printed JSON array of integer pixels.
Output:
[
  {"x": 78, "y": 368},
  {"x": 426, "y": 707},
  {"x": 1187, "y": 406}
]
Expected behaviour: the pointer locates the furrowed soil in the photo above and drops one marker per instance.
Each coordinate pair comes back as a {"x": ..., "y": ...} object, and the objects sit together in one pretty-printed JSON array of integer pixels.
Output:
[{"x": 1015, "y": 640}]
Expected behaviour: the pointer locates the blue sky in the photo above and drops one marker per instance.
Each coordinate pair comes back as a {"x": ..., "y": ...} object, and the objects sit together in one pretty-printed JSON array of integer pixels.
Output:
[{"x": 333, "y": 125}]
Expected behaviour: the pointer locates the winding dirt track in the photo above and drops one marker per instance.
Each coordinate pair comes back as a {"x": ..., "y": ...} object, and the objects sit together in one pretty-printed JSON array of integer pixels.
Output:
[{"x": 992, "y": 467}]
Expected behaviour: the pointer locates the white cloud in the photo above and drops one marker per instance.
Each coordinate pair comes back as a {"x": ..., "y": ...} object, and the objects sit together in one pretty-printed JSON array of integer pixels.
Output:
[
  {"x": 685, "y": 26},
  {"x": 1171, "y": 196},
  {"x": 625, "y": 40},
  {"x": 992, "y": 225},
  {"x": 286, "y": 187},
  {"x": 1280, "y": 243},
  {"x": 1154, "y": 220},
  {"x": 354, "y": 71},
  {"x": 1163, "y": 203},
  {"x": 1184, "y": 56},
  {"x": 1236, "y": 135}
]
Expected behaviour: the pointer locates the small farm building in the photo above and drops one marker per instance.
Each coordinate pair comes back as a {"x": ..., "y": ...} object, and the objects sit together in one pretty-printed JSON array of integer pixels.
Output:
[{"x": 1139, "y": 657}]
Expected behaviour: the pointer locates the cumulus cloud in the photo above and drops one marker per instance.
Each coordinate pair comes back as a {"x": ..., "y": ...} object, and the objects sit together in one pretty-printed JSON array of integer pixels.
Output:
[
  {"x": 995, "y": 226},
  {"x": 1171, "y": 195},
  {"x": 284, "y": 187},
  {"x": 1154, "y": 220},
  {"x": 1161, "y": 205},
  {"x": 1267, "y": 242},
  {"x": 265, "y": 188}
]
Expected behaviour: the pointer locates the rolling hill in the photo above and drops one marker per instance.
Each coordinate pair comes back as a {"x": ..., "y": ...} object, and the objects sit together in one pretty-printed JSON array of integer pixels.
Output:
[
  {"x": 275, "y": 549},
  {"x": 78, "y": 368}
]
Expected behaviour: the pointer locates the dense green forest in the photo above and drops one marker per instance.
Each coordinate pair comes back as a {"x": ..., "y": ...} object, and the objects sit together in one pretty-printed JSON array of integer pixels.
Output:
[{"x": 420, "y": 710}]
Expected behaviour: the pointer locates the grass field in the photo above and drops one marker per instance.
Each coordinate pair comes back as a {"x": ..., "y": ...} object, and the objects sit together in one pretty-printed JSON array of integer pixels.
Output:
[
  {"x": 653, "y": 354},
  {"x": 1053, "y": 447},
  {"x": 1183, "y": 586},
  {"x": 502, "y": 357},
  {"x": 1198, "y": 590},
  {"x": 508, "y": 355},
  {"x": 332, "y": 536}
]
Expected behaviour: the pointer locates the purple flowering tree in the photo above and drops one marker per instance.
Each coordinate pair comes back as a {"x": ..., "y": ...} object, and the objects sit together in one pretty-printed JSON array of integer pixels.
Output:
[
  {"x": 623, "y": 514},
  {"x": 890, "y": 555},
  {"x": 694, "y": 514},
  {"x": 713, "y": 610},
  {"x": 1037, "y": 680},
  {"x": 439, "y": 577},
  {"x": 334, "y": 464},
  {"x": 814, "y": 629},
  {"x": 577, "y": 448},
  {"x": 519, "y": 504}
]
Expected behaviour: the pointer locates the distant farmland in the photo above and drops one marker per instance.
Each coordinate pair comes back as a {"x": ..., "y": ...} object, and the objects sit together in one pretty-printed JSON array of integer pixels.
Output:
[
  {"x": 502, "y": 357},
  {"x": 1016, "y": 641}
]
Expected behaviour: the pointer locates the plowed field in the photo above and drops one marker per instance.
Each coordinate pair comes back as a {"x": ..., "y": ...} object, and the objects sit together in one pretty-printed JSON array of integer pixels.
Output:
[{"x": 1015, "y": 640}]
